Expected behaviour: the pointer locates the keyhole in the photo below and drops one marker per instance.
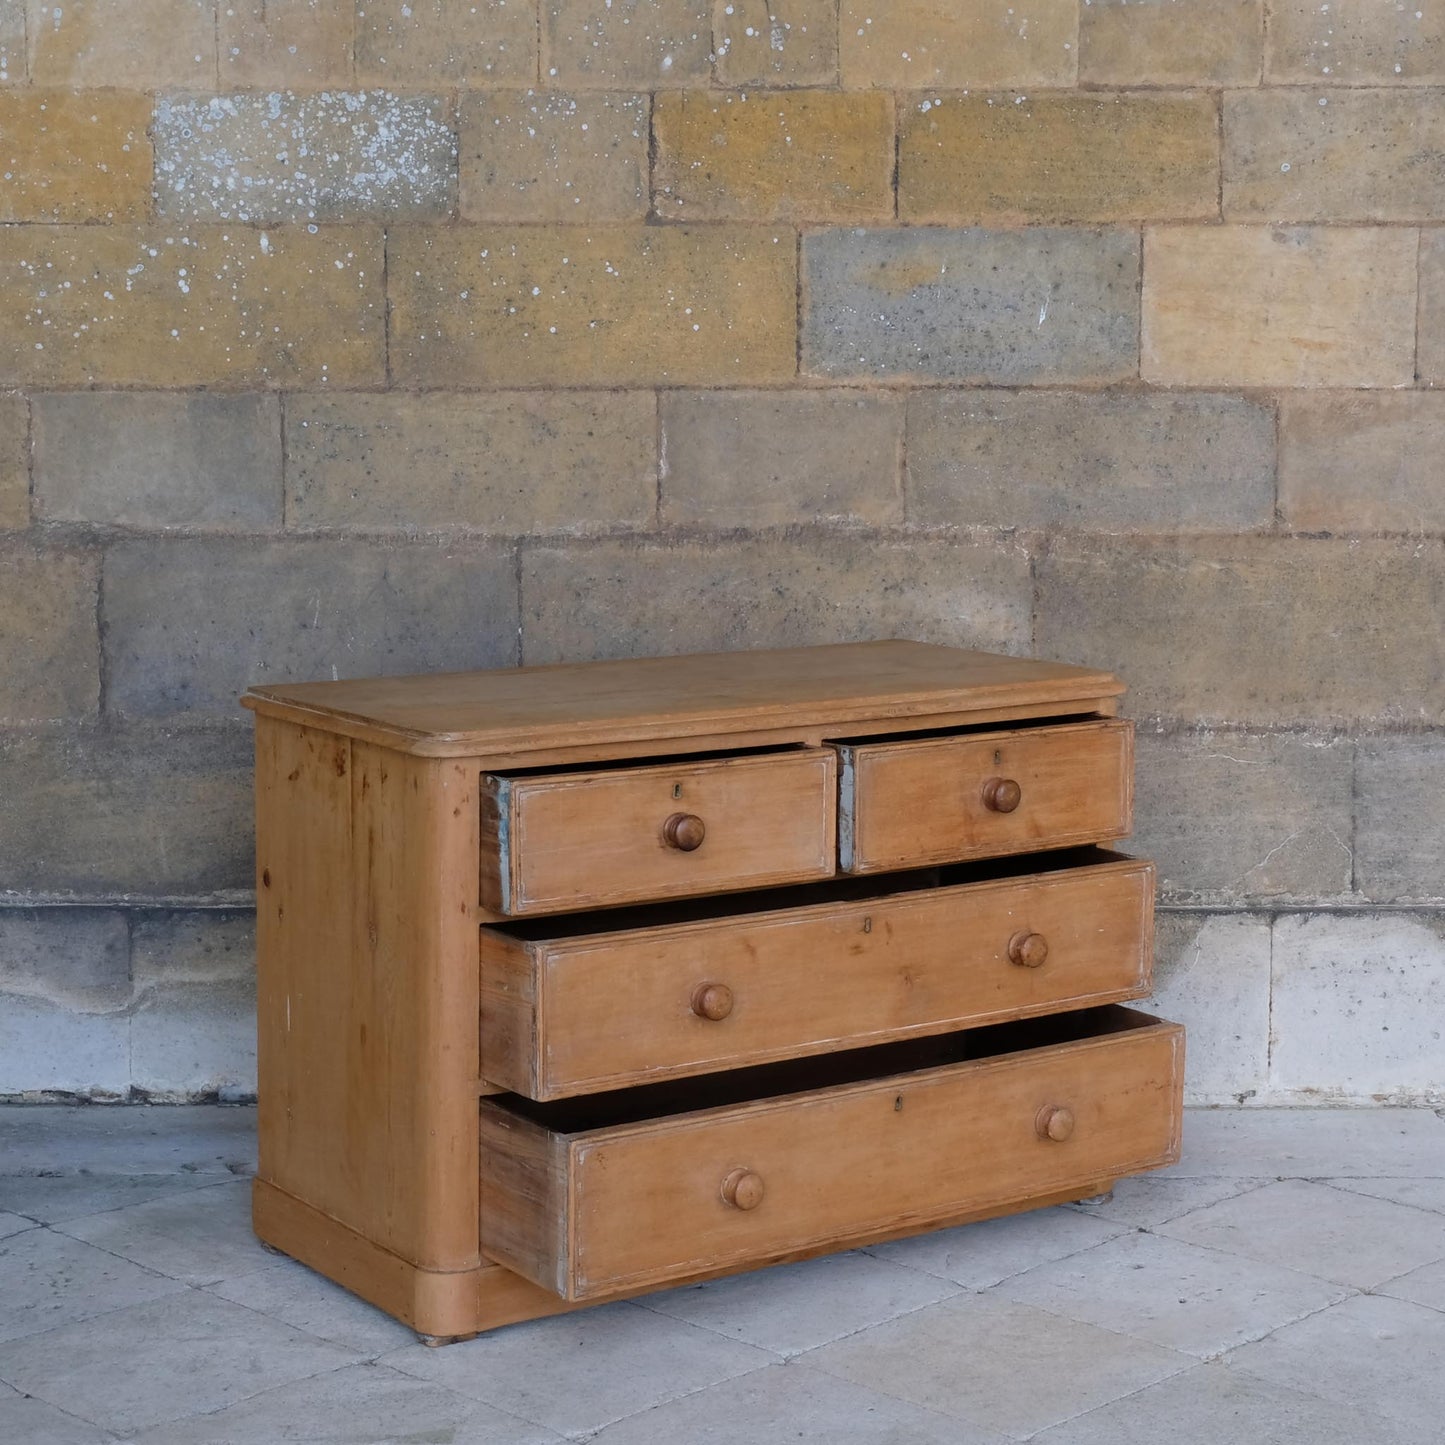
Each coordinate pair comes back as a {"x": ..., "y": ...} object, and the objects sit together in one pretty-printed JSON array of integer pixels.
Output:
[
  {"x": 998, "y": 755},
  {"x": 677, "y": 790},
  {"x": 898, "y": 1104},
  {"x": 868, "y": 925}
]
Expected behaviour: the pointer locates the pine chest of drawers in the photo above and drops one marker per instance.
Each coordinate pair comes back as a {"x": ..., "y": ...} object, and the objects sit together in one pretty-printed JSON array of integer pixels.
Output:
[{"x": 579, "y": 981}]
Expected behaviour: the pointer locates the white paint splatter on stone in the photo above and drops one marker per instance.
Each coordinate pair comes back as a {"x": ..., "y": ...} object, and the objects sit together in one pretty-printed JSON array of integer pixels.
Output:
[{"x": 328, "y": 156}]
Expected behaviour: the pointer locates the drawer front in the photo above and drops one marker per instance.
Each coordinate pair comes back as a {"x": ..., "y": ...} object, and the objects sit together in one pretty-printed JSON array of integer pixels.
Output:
[
  {"x": 566, "y": 1016},
  {"x": 639, "y": 1205},
  {"x": 586, "y": 840},
  {"x": 907, "y": 804}
]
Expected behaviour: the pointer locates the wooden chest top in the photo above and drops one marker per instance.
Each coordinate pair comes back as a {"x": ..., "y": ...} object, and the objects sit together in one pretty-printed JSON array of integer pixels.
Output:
[{"x": 460, "y": 714}]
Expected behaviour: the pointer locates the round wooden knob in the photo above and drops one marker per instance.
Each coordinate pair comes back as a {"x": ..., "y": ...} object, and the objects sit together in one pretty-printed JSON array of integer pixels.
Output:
[
  {"x": 1028, "y": 950},
  {"x": 1055, "y": 1122},
  {"x": 684, "y": 831},
  {"x": 1002, "y": 795},
  {"x": 743, "y": 1189},
  {"x": 712, "y": 1001}
]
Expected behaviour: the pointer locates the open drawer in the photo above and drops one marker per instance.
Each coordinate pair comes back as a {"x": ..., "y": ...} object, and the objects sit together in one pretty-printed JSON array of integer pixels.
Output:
[
  {"x": 558, "y": 841},
  {"x": 630, "y": 1190},
  {"x": 909, "y": 802},
  {"x": 597, "y": 1001}
]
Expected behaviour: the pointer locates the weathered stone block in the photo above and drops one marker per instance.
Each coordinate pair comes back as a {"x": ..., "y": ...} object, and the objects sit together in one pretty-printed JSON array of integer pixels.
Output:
[
  {"x": 1399, "y": 823},
  {"x": 1362, "y": 461},
  {"x": 74, "y": 156},
  {"x": 1058, "y": 157},
  {"x": 911, "y": 44},
  {"x": 134, "y": 811},
  {"x": 13, "y": 67},
  {"x": 130, "y": 44},
  {"x": 1166, "y": 42},
  {"x": 1336, "y": 155},
  {"x": 1259, "y": 306},
  {"x": 193, "y": 1030},
  {"x": 1273, "y": 630},
  {"x": 329, "y": 156},
  {"x": 87, "y": 305},
  {"x": 14, "y": 462},
  {"x": 1014, "y": 307},
  {"x": 1431, "y": 361},
  {"x": 274, "y": 43},
  {"x": 1357, "y": 1004},
  {"x": 190, "y": 624},
  {"x": 433, "y": 42},
  {"x": 1243, "y": 817},
  {"x": 1211, "y": 973},
  {"x": 1355, "y": 42},
  {"x": 47, "y": 1048},
  {"x": 500, "y": 462},
  {"x": 776, "y": 42},
  {"x": 49, "y": 649},
  {"x": 1094, "y": 461},
  {"x": 74, "y": 958},
  {"x": 153, "y": 459},
  {"x": 770, "y": 458},
  {"x": 532, "y": 155},
  {"x": 649, "y": 44},
  {"x": 627, "y": 599},
  {"x": 572, "y": 305},
  {"x": 814, "y": 156}
]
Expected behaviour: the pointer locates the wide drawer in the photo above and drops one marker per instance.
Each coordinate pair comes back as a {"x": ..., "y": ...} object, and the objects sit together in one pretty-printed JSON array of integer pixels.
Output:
[
  {"x": 577, "y": 840},
  {"x": 906, "y": 803},
  {"x": 608, "y": 1194},
  {"x": 574, "y": 1007}
]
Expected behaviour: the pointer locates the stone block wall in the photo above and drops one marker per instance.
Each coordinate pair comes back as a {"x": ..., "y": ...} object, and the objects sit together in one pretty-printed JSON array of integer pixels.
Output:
[{"x": 340, "y": 338}]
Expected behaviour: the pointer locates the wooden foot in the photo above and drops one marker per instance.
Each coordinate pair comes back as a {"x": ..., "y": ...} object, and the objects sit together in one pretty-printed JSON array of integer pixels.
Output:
[
  {"x": 1104, "y": 1194},
  {"x": 435, "y": 1342}
]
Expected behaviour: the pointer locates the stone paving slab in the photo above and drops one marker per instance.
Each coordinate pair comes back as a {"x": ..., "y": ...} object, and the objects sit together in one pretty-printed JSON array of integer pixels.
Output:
[{"x": 1215, "y": 1302}]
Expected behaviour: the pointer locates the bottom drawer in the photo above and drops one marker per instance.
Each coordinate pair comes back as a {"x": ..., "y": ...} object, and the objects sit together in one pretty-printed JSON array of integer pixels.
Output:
[{"x": 625, "y": 1191}]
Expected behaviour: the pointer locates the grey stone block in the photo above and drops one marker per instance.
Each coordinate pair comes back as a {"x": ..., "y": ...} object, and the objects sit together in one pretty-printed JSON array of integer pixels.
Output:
[
  {"x": 500, "y": 462},
  {"x": 761, "y": 458},
  {"x": 1356, "y": 461},
  {"x": 75, "y": 958},
  {"x": 191, "y": 623},
  {"x": 14, "y": 462},
  {"x": 1023, "y": 307},
  {"x": 1094, "y": 461},
  {"x": 325, "y": 156},
  {"x": 49, "y": 645},
  {"x": 194, "y": 1026},
  {"x": 1211, "y": 973},
  {"x": 1241, "y": 817},
  {"x": 1357, "y": 1006},
  {"x": 153, "y": 459},
  {"x": 625, "y": 599},
  {"x": 1400, "y": 819},
  {"x": 139, "y": 811},
  {"x": 1268, "y": 630}
]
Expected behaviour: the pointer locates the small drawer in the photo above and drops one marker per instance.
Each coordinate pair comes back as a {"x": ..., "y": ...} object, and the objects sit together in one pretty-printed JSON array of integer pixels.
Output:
[
  {"x": 575, "y": 1007},
  {"x": 905, "y": 804},
  {"x": 575, "y": 840},
  {"x": 608, "y": 1194}
]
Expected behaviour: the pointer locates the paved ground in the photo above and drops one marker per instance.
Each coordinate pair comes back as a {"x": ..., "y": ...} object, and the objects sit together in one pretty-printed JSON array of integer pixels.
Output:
[{"x": 1286, "y": 1283}]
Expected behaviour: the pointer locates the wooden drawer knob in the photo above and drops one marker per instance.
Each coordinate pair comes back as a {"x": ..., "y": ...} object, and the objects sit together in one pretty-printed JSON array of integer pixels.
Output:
[
  {"x": 1002, "y": 795},
  {"x": 1055, "y": 1122},
  {"x": 1028, "y": 950},
  {"x": 743, "y": 1189},
  {"x": 684, "y": 831},
  {"x": 712, "y": 1001}
]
